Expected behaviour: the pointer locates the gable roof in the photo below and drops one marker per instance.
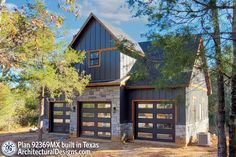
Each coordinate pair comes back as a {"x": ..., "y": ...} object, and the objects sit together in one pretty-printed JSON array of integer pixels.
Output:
[
  {"x": 117, "y": 33},
  {"x": 153, "y": 74}
]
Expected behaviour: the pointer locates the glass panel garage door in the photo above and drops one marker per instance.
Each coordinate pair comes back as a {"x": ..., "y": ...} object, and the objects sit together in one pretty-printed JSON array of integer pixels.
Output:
[
  {"x": 155, "y": 121},
  {"x": 60, "y": 117},
  {"x": 95, "y": 120}
]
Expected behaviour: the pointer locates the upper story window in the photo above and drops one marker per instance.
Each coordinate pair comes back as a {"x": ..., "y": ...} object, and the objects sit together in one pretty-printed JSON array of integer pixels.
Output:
[{"x": 94, "y": 58}]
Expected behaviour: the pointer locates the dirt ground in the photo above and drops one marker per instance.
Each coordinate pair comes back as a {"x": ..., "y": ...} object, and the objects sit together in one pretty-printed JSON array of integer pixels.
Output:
[{"x": 118, "y": 149}]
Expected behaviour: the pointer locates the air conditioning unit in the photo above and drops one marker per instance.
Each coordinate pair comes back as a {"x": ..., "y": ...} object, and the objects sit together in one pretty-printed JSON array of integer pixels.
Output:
[{"x": 204, "y": 138}]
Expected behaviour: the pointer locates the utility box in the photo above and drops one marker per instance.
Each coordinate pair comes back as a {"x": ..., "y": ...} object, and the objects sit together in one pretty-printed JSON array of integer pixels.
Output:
[{"x": 204, "y": 138}]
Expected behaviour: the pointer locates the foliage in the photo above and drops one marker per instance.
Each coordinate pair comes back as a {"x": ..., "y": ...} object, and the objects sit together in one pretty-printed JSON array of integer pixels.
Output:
[
  {"x": 7, "y": 107},
  {"x": 27, "y": 113},
  {"x": 167, "y": 16},
  {"x": 32, "y": 58},
  {"x": 227, "y": 61},
  {"x": 205, "y": 18},
  {"x": 42, "y": 61},
  {"x": 212, "y": 107},
  {"x": 70, "y": 6},
  {"x": 178, "y": 48}
]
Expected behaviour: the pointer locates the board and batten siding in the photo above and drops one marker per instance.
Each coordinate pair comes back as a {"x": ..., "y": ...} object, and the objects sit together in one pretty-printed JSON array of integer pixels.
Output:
[
  {"x": 177, "y": 94},
  {"x": 95, "y": 37}
]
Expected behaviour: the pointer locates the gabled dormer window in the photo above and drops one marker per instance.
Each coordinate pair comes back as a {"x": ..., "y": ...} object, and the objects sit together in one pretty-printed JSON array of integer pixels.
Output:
[{"x": 94, "y": 58}]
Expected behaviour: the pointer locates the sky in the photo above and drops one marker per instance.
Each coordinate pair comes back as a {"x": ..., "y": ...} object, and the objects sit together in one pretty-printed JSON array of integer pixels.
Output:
[{"x": 115, "y": 12}]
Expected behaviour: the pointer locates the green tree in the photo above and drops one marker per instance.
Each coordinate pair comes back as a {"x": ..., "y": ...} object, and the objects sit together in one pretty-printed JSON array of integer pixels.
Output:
[
  {"x": 205, "y": 18},
  {"x": 232, "y": 122},
  {"x": 7, "y": 106},
  {"x": 227, "y": 68},
  {"x": 38, "y": 61}
]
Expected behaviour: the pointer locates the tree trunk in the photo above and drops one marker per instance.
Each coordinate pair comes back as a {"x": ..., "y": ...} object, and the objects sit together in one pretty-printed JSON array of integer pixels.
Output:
[
  {"x": 222, "y": 149},
  {"x": 41, "y": 112},
  {"x": 232, "y": 120}
]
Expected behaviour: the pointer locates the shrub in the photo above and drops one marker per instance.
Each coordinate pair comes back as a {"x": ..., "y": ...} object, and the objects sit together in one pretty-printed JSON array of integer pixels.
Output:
[{"x": 27, "y": 114}]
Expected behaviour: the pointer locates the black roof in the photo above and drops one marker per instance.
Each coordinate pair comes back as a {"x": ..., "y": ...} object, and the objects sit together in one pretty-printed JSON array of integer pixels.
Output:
[{"x": 151, "y": 69}]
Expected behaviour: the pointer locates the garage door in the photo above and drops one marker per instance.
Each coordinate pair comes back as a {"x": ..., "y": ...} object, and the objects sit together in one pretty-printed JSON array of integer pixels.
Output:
[
  {"x": 95, "y": 120},
  {"x": 155, "y": 121},
  {"x": 60, "y": 117}
]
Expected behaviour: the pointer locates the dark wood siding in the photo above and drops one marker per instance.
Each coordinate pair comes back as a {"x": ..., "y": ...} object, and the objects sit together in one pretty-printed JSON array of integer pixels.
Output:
[
  {"x": 93, "y": 37},
  {"x": 177, "y": 94}
]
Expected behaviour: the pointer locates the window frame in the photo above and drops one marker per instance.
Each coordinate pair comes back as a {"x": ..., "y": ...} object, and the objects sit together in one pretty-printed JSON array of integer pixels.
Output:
[{"x": 99, "y": 58}]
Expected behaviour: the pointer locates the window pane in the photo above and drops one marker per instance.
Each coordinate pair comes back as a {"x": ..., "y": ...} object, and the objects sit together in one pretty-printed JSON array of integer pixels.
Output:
[
  {"x": 144, "y": 134},
  {"x": 94, "y": 55},
  {"x": 58, "y": 112},
  {"x": 100, "y": 105},
  {"x": 67, "y": 120},
  {"x": 164, "y": 106},
  {"x": 164, "y": 126},
  {"x": 104, "y": 115},
  {"x": 88, "y": 105},
  {"x": 145, "y": 115},
  {"x": 58, "y": 104},
  {"x": 58, "y": 120},
  {"x": 94, "y": 58},
  {"x": 67, "y": 112},
  {"x": 101, "y": 124},
  {"x": 88, "y": 114},
  {"x": 165, "y": 136},
  {"x": 94, "y": 62},
  {"x": 88, "y": 123},
  {"x": 89, "y": 133},
  {"x": 104, "y": 134},
  {"x": 164, "y": 116},
  {"x": 145, "y": 125},
  {"x": 145, "y": 105}
]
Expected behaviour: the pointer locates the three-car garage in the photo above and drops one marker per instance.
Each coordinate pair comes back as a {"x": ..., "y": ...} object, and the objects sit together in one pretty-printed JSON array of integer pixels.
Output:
[{"x": 152, "y": 120}]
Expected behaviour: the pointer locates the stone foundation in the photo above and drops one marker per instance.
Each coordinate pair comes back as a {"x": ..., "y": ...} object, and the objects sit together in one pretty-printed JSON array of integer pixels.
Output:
[
  {"x": 127, "y": 129},
  {"x": 180, "y": 134},
  {"x": 45, "y": 125}
]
